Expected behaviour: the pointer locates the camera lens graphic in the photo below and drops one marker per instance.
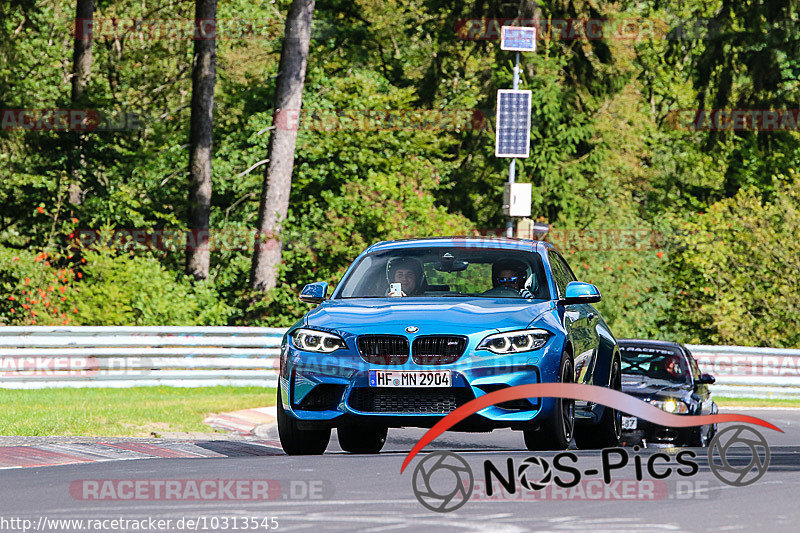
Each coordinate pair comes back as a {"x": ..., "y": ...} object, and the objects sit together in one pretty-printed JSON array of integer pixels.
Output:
[
  {"x": 442, "y": 482},
  {"x": 527, "y": 476},
  {"x": 738, "y": 455}
]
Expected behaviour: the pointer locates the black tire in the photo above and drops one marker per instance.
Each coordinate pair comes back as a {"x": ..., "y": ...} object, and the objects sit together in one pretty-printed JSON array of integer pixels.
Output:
[
  {"x": 712, "y": 432},
  {"x": 607, "y": 432},
  {"x": 556, "y": 432},
  {"x": 356, "y": 439},
  {"x": 296, "y": 441},
  {"x": 698, "y": 441}
]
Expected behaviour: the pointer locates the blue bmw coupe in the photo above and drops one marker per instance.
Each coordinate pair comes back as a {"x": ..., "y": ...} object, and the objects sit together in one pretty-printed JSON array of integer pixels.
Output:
[{"x": 417, "y": 328}]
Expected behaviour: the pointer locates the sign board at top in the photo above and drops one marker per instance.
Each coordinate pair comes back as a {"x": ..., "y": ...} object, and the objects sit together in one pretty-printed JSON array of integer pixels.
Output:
[{"x": 518, "y": 38}]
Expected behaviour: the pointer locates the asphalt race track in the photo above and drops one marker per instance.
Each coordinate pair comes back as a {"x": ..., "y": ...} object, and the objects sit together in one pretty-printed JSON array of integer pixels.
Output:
[{"x": 351, "y": 492}]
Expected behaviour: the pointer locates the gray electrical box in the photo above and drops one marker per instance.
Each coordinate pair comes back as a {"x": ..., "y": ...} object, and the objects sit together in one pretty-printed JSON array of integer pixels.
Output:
[{"x": 517, "y": 199}]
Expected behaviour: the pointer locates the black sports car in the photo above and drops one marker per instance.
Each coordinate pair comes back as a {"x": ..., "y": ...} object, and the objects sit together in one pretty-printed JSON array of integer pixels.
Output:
[{"x": 666, "y": 375}]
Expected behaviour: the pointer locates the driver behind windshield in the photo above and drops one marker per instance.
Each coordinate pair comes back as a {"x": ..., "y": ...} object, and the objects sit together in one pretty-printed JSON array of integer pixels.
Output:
[
  {"x": 672, "y": 371},
  {"x": 407, "y": 271},
  {"x": 512, "y": 274}
]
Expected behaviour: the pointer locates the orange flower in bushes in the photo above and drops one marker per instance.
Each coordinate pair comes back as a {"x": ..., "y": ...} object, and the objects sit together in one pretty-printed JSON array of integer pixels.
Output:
[
  {"x": 62, "y": 289},
  {"x": 40, "y": 209}
]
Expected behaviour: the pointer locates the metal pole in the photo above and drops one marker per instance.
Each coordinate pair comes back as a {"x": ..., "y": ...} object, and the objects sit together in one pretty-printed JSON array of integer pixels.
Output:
[{"x": 512, "y": 166}]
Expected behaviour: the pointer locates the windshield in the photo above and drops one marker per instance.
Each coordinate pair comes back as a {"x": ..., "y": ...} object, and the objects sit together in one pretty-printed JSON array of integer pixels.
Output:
[
  {"x": 447, "y": 272},
  {"x": 654, "y": 363}
]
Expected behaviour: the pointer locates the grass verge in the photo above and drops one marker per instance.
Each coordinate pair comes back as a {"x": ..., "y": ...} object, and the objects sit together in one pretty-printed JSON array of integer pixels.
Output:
[
  {"x": 755, "y": 402},
  {"x": 134, "y": 412}
]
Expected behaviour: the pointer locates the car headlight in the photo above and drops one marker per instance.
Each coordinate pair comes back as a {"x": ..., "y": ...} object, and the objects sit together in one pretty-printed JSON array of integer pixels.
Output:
[
  {"x": 515, "y": 341},
  {"x": 671, "y": 405},
  {"x": 317, "y": 341}
]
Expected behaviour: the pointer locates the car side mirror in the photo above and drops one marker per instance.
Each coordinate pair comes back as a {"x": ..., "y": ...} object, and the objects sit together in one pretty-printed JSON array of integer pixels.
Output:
[
  {"x": 706, "y": 379},
  {"x": 579, "y": 292},
  {"x": 314, "y": 293}
]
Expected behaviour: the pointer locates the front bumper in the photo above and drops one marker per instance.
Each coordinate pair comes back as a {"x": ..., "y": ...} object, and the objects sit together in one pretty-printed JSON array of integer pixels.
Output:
[
  {"x": 334, "y": 390},
  {"x": 656, "y": 434}
]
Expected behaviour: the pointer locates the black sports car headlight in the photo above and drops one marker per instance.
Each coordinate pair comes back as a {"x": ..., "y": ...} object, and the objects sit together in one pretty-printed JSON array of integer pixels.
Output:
[
  {"x": 671, "y": 405},
  {"x": 525, "y": 340},
  {"x": 312, "y": 340}
]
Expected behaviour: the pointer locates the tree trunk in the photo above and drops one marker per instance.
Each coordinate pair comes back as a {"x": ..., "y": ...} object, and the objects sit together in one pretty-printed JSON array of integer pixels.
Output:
[
  {"x": 278, "y": 175},
  {"x": 198, "y": 258},
  {"x": 81, "y": 69},
  {"x": 82, "y": 54}
]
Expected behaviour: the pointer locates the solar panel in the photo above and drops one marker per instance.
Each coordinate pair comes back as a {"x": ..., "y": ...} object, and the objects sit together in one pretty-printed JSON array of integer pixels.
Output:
[
  {"x": 513, "y": 136},
  {"x": 519, "y": 38}
]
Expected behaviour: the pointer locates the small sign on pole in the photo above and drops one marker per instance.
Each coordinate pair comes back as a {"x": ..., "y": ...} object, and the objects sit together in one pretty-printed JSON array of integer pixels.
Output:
[
  {"x": 518, "y": 38},
  {"x": 513, "y": 136}
]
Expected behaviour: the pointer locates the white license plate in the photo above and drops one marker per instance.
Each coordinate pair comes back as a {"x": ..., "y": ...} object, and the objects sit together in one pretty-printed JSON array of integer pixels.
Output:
[
  {"x": 629, "y": 422},
  {"x": 409, "y": 378}
]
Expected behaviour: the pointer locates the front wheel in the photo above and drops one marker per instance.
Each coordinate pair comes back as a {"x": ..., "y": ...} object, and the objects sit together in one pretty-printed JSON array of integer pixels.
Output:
[
  {"x": 556, "y": 432},
  {"x": 296, "y": 441},
  {"x": 607, "y": 432},
  {"x": 355, "y": 439}
]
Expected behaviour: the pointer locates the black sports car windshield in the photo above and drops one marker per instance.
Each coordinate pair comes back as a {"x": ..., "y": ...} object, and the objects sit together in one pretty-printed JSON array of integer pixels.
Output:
[
  {"x": 655, "y": 364},
  {"x": 442, "y": 272}
]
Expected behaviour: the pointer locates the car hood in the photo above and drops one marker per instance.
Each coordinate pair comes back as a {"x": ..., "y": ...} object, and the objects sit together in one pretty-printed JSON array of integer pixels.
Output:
[
  {"x": 636, "y": 386},
  {"x": 430, "y": 315}
]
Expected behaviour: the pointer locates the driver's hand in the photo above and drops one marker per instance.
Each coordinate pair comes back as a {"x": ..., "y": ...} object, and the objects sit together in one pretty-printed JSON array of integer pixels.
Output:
[{"x": 402, "y": 293}]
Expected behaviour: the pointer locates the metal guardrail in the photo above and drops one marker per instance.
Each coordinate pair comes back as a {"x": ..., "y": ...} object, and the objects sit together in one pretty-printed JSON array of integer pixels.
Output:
[
  {"x": 193, "y": 356},
  {"x": 108, "y": 356},
  {"x": 750, "y": 372}
]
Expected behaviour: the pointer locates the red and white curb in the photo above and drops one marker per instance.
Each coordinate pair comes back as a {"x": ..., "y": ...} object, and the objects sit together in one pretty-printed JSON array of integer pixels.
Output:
[
  {"x": 92, "y": 452},
  {"x": 245, "y": 421}
]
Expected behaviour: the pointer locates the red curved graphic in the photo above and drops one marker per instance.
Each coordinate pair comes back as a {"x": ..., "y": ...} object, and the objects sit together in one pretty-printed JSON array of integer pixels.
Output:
[{"x": 575, "y": 391}]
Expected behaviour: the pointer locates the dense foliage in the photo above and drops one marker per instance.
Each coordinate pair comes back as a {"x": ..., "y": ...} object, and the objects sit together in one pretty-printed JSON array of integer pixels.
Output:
[{"x": 707, "y": 253}]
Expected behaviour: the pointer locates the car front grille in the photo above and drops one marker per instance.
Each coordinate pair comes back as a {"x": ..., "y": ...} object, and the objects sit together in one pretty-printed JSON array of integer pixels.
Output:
[
  {"x": 438, "y": 400},
  {"x": 438, "y": 349},
  {"x": 383, "y": 349}
]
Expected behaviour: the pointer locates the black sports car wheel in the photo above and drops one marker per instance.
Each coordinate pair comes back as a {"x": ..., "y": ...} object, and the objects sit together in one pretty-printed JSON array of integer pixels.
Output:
[
  {"x": 356, "y": 439},
  {"x": 556, "y": 432},
  {"x": 296, "y": 441},
  {"x": 607, "y": 432}
]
